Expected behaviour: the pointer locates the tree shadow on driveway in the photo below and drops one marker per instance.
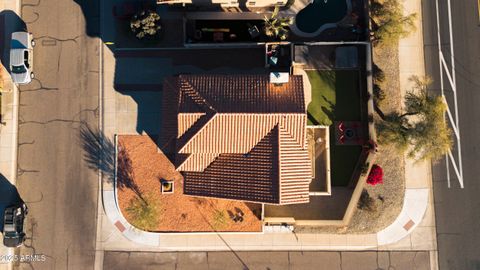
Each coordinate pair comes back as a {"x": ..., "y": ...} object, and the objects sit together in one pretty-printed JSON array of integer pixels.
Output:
[{"x": 99, "y": 154}]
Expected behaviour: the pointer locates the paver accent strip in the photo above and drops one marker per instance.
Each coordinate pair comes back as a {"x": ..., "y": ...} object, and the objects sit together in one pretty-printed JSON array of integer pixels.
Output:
[
  {"x": 120, "y": 226},
  {"x": 408, "y": 225}
]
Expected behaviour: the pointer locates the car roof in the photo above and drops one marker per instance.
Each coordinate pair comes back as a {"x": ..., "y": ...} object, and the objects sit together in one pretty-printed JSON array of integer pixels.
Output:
[{"x": 20, "y": 40}]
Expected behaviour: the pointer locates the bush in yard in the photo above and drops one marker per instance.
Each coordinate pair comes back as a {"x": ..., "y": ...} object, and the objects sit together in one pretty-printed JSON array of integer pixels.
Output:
[
  {"x": 420, "y": 128},
  {"x": 378, "y": 78},
  {"x": 364, "y": 169},
  {"x": 145, "y": 24},
  {"x": 388, "y": 22},
  {"x": 366, "y": 202},
  {"x": 143, "y": 212},
  {"x": 375, "y": 176},
  {"x": 219, "y": 219}
]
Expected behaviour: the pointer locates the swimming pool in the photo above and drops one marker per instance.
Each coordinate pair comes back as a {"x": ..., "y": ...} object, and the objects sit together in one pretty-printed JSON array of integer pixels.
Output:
[{"x": 320, "y": 12}]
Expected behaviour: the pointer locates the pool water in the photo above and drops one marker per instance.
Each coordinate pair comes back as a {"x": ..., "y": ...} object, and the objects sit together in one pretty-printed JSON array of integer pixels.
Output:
[{"x": 320, "y": 12}]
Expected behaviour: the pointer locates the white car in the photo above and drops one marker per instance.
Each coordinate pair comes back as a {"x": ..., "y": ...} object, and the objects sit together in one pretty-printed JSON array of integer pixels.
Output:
[{"x": 21, "y": 57}]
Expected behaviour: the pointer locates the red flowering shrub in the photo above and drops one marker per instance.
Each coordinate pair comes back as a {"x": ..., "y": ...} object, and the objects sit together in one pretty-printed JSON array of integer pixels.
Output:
[{"x": 375, "y": 176}]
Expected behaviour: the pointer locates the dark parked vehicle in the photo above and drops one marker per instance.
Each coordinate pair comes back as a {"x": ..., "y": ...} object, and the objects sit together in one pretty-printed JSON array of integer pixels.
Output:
[{"x": 13, "y": 235}]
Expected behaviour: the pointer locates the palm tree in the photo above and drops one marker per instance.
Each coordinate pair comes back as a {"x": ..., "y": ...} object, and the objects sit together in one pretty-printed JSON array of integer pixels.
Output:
[
  {"x": 145, "y": 24},
  {"x": 277, "y": 27}
]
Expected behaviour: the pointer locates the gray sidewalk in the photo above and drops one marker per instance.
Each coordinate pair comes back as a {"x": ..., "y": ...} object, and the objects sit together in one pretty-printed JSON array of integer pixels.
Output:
[
  {"x": 8, "y": 129},
  {"x": 8, "y": 142}
]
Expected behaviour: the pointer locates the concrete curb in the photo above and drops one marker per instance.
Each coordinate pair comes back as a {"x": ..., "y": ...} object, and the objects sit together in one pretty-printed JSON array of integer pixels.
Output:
[{"x": 413, "y": 210}]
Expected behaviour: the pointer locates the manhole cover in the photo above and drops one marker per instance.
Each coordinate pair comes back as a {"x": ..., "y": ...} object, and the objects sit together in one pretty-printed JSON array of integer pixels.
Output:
[{"x": 49, "y": 42}]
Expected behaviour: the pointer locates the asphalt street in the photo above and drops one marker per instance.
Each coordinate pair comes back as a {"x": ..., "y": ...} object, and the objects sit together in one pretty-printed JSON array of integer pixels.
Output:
[
  {"x": 457, "y": 210},
  {"x": 53, "y": 178}
]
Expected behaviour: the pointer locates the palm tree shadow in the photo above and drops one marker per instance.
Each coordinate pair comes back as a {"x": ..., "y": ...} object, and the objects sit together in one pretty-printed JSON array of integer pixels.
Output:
[
  {"x": 99, "y": 151},
  {"x": 99, "y": 154},
  {"x": 125, "y": 173}
]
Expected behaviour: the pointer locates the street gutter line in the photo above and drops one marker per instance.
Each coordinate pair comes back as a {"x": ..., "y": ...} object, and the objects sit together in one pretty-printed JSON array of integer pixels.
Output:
[{"x": 99, "y": 253}]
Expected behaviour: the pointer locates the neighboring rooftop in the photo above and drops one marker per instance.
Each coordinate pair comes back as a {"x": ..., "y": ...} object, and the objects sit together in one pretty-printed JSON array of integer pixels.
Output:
[{"x": 240, "y": 137}]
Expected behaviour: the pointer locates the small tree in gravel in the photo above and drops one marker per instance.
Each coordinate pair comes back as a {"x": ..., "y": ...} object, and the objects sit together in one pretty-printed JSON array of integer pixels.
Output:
[
  {"x": 219, "y": 219},
  {"x": 277, "y": 27},
  {"x": 421, "y": 128},
  {"x": 366, "y": 202},
  {"x": 388, "y": 24},
  {"x": 143, "y": 212},
  {"x": 145, "y": 23},
  {"x": 378, "y": 78}
]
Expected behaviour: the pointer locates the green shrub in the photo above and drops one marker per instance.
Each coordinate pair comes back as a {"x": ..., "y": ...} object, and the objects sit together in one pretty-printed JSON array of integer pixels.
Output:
[
  {"x": 143, "y": 212},
  {"x": 366, "y": 202},
  {"x": 378, "y": 78},
  {"x": 388, "y": 22},
  {"x": 219, "y": 219},
  {"x": 276, "y": 26},
  {"x": 145, "y": 24},
  {"x": 365, "y": 168}
]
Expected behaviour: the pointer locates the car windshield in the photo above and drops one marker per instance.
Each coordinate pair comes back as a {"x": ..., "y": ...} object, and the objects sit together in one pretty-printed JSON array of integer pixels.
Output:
[
  {"x": 18, "y": 69},
  {"x": 9, "y": 228}
]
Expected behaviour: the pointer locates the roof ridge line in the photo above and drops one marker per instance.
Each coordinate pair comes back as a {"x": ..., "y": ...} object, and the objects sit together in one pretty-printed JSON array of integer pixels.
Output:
[
  {"x": 298, "y": 141},
  {"x": 179, "y": 168},
  {"x": 209, "y": 116},
  {"x": 205, "y": 104}
]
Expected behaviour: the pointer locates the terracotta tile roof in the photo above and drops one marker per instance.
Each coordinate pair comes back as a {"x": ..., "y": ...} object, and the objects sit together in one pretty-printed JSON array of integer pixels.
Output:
[
  {"x": 228, "y": 177},
  {"x": 240, "y": 94},
  {"x": 186, "y": 121},
  {"x": 242, "y": 138}
]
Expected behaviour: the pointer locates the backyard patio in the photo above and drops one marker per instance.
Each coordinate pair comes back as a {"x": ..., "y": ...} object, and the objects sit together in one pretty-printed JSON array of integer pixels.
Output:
[{"x": 336, "y": 97}]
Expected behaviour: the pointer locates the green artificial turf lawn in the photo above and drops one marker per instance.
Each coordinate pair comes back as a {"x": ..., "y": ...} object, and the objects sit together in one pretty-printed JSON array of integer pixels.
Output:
[
  {"x": 335, "y": 96},
  {"x": 343, "y": 159}
]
